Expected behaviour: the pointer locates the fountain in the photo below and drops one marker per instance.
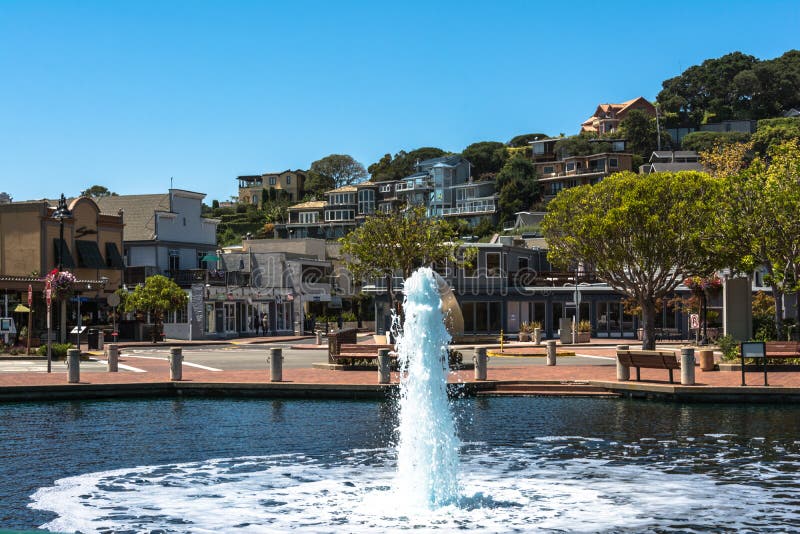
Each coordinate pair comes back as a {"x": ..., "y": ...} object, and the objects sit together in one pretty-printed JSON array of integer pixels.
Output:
[{"x": 561, "y": 465}]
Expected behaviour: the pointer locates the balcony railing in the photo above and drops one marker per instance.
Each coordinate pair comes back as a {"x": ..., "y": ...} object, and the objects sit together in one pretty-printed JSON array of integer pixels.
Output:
[
  {"x": 414, "y": 186},
  {"x": 488, "y": 207}
]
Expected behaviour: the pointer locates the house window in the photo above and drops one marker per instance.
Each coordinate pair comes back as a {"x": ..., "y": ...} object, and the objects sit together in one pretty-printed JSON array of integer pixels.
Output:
[
  {"x": 613, "y": 163},
  {"x": 289, "y": 180},
  {"x": 571, "y": 166},
  {"x": 493, "y": 265},
  {"x": 548, "y": 170},
  {"x": 272, "y": 180},
  {"x": 254, "y": 200},
  {"x": 174, "y": 259},
  {"x": 366, "y": 202},
  {"x": 308, "y": 217}
]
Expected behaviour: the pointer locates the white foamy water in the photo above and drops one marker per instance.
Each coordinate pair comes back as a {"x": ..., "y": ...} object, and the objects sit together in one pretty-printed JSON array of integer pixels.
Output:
[
  {"x": 502, "y": 490},
  {"x": 427, "y": 450}
]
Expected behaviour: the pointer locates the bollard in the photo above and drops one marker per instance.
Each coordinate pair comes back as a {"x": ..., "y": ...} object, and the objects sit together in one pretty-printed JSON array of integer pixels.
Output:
[
  {"x": 101, "y": 339},
  {"x": 275, "y": 365},
  {"x": 175, "y": 363},
  {"x": 479, "y": 358},
  {"x": 551, "y": 352},
  {"x": 319, "y": 338},
  {"x": 112, "y": 354},
  {"x": 383, "y": 366},
  {"x": 73, "y": 366},
  {"x": 537, "y": 335},
  {"x": 623, "y": 371},
  {"x": 706, "y": 358},
  {"x": 687, "y": 367}
]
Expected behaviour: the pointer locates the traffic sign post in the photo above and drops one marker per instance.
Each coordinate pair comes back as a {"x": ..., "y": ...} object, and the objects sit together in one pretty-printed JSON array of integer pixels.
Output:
[
  {"x": 48, "y": 293},
  {"x": 30, "y": 316}
]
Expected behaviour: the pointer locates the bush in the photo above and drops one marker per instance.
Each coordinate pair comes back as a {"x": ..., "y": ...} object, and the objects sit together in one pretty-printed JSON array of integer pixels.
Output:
[
  {"x": 729, "y": 346},
  {"x": 58, "y": 350},
  {"x": 349, "y": 317}
]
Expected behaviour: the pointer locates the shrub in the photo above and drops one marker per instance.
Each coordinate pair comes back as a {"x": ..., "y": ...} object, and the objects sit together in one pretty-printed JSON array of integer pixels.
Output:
[
  {"x": 349, "y": 317},
  {"x": 729, "y": 346},
  {"x": 584, "y": 326},
  {"x": 58, "y": 350}
]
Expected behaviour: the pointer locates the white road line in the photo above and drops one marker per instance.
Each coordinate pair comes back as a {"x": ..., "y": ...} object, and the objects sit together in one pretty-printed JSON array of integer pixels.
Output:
[
  {"x": 190, "y": 364},
  {"x": 597, "y": 357}
]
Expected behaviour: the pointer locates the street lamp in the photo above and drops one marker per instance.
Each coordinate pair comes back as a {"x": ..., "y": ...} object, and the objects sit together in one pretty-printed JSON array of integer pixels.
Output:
[{"x": 62, "y": 212}]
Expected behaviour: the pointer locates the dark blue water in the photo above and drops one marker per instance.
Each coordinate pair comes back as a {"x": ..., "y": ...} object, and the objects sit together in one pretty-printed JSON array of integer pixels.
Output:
[{"x": 44, "y": 442}]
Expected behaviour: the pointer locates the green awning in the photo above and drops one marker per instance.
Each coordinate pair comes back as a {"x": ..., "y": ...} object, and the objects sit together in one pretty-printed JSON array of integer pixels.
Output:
[
  {"x": 89, "y": 255},
  {"x": 66, "y": 257},
  {"x": 210, "y": 257},
  {"x": 113, "y": 257}
]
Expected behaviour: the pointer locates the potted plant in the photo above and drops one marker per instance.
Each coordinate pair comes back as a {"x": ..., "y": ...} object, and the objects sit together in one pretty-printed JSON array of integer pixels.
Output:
[
  {"x": 584, "y": 331},
  {"x": 524, "y": 334},
  {"x": 536, "y": 327}
]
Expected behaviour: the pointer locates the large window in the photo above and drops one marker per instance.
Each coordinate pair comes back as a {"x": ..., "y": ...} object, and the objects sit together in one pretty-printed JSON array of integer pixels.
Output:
[
  {"x": 366, "y": 202},
  {"x": 341, "y": 198},
  {"x": 493, "y": 267},
  {"x": 339, "y": 215},
  {"x": 272, "y": 180},
  {"x": 174, "y": 259},
  {"x": 308, "y": 217},
  {"x": 289, "y": 180}
]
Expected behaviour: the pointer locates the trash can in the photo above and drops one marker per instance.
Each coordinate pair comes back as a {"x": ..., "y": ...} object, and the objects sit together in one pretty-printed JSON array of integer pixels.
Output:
[{"x": 94, "y": 338}]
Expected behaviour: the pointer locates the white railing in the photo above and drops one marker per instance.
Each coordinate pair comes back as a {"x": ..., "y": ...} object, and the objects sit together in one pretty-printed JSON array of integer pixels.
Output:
[{"x": 471, "y": 209}]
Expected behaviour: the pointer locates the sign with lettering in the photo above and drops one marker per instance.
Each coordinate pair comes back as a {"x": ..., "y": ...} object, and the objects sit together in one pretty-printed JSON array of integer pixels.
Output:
[{"x": 694, "y": 321}]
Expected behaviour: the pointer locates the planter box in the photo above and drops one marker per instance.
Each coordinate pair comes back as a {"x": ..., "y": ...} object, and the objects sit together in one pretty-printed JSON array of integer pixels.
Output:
[{"x": 584, "y": 337}]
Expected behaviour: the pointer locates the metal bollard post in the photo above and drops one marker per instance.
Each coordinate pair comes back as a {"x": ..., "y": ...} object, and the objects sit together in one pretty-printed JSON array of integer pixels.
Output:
[
  {"x": 383, "y": 366},
  {"x": 319, "y": 338},
  {"x": 479, "y": 359},
  {"x": 112, "y": 355},
  {"x": 687, "y": 367},
  {"x": 623, "y": 371},
  {"x": 551, "y": 352},
  {"x": 175, "y": 363},
  {"x": 73, "y": 366},
  {"x": 275, "y": 365}
]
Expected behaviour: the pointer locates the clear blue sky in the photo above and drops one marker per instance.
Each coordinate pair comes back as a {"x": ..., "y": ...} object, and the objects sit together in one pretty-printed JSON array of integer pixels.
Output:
[{"x": 129, "y": 94}]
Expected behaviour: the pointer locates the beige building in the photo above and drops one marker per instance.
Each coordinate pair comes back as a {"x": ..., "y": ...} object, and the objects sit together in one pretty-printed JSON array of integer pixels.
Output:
[
  {"x": 606, "y": 117},
  {"x": 29, "y": 245},
  {"x": 289, "y": 183}
]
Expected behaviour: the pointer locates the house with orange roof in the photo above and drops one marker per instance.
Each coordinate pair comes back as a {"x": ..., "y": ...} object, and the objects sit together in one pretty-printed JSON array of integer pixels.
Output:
[{"x": 606, "y": 117}]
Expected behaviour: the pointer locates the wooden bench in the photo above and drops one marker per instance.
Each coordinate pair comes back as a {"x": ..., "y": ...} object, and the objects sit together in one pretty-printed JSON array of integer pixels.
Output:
[
  {"x": 782, "y": 349},
  {"x": 364, "y": 354},
  {"x": 649, "y": 359}
]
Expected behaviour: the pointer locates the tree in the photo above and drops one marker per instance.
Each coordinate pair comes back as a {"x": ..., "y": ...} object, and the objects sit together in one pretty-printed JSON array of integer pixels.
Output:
[
  {"x": 583, "y": 144},
  {"x": 773, "y": 132},
  {"x": 643, "y": 235},
  {"x": 317, "y": 184},
  {"x": 402, "y": 164},
  {"x": 525, "y": 139},
  {"x": 758, "y": 220},
  {"x": 486, "y": 157},
  {"x": 397, "y": 243},
  {"x": 705, "y": 141},
  {"x": 159, "y": 295},
  {"x": 518, "y": 187},
  {"x": 340, "y": 168},
  {"x": 640, "y": 130},
  {"x": 98, "y": 191}
]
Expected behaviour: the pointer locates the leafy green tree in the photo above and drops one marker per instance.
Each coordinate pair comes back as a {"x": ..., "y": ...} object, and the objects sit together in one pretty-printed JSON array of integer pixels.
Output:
[
  {"x": 486, "y": 157},
  {"x": 705, "y": 141},
  {"x": 583, "y": 144},
  {"x": 518, "y": 187},
  {"x": 773, "y": 132},
  {"x": 98, "y": 191},
  {"x": 525, "y": 139},
  {"x": 402, "y": 164},
  {"x": 643, "y": 235},
  {"x": 341, "y": 168},
  {"x": 397, "y": 243},
  {"x": 317, "y": 184},
  {"x": 640, "y": 130},
  {"x": 159, "y": 295}
]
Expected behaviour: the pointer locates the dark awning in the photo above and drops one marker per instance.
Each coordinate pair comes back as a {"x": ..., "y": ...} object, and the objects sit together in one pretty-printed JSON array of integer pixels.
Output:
[
  {"x": 113, "y": 257},
  {"x": 89, "y": 255},
  {"x": 66, "y": 257}
]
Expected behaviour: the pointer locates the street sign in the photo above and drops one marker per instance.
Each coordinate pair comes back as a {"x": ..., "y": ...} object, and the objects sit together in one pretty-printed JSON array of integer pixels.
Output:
[
  {"x": 694, "y": 321},
  {"x": 113, "y": 299},
  {"x": 30, "y": 295}
]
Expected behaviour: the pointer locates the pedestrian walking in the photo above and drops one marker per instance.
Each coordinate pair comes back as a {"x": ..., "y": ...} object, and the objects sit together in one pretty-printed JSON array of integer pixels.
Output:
[{"x": 265, "y": 323}]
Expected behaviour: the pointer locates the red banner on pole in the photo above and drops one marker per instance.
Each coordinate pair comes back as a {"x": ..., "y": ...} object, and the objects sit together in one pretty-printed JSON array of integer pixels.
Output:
[{"x": 30, "y": 295}]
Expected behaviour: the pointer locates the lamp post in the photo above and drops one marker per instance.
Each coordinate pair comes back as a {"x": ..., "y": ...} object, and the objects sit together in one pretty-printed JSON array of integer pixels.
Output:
[{"x": 62, "y": 212}]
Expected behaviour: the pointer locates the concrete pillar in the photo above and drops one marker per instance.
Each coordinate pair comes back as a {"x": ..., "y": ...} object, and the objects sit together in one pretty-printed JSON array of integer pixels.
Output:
[
  {"x": 275, "y": 365},
  {"x": 101, "y": 339},
  {"x": 537, "y": 336},
  {"x": 175, "y": 363},
  {"x": 551, "y": 352},
  {"x": 383, "y": 366},
  {"x": 480, "y": 363},
  {"x": 565, "y": 329},
  {"x": 623, "y": 372},
  {"x": 687, "y": 367},
  {"x": 73, "y": 366},
  {"x": 319, "y": 338},
  {"x": 112, "y": 354},
  {"x": 737, "y": 311}
]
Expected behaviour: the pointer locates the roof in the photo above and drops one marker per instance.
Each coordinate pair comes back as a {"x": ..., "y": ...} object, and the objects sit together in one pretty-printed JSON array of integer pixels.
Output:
[
  {"x": 447, "y": 160},
  {"x": 139, "y": 213},
  {"x": 313, "y": 204},
  {"x": 674, "y": 167},
  {"x": 343, "y": 189}
]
